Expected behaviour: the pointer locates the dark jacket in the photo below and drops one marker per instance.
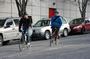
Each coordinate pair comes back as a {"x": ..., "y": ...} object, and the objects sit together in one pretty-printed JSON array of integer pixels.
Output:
[{"x": 25, "y": 23}]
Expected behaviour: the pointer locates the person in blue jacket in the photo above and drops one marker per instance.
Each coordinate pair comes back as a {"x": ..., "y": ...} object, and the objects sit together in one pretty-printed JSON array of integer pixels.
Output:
[{"x": 56, "y": 23}]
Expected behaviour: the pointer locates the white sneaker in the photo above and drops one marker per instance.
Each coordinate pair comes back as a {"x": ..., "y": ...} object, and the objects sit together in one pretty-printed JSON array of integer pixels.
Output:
[{"x": 29, "y": 44}]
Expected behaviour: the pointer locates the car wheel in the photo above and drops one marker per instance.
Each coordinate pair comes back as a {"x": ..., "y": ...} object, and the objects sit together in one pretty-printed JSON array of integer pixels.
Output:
[
  {"x": 47, "y": 35},
  {"x": 65, "y": 32},
  {"x": 1, "y": 40},
  {"x": 82, "y": 31}
]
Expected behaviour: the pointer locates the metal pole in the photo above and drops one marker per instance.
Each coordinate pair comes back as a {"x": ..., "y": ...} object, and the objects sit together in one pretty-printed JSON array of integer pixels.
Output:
[
  {"x": 11, "y": 8},
  {"x": 40, "y": 9}
]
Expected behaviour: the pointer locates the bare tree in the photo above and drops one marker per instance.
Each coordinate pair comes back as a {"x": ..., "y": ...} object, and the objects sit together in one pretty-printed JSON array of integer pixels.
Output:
[
  {"x": 21, "y": 6},
  {"x": 82, "y": 7}
]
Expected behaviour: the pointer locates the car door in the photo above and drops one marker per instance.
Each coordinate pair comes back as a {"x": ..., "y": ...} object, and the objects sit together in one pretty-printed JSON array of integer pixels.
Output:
[
  {"x": 9, "y": 29},
  {"x": 17, "y": 33}
]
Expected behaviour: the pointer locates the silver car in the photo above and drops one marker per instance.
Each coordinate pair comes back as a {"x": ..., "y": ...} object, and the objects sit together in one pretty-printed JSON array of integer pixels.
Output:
[{"x": 42, "y": 29}]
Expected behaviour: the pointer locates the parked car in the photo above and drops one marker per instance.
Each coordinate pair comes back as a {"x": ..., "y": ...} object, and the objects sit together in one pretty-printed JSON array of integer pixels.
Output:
[
  {"x": 9, "y": 29},
  {"x": 80, "y": 25},
  {"x": 42, "y": 29}
]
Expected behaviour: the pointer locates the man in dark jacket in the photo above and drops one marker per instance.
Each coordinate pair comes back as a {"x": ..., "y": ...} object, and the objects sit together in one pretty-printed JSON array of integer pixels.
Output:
[
  {"x": 24, "y": 26},
  {"x": 55, "y": 25}
]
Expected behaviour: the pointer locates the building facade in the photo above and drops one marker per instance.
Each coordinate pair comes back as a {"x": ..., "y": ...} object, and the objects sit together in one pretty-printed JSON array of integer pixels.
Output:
[{"x": 39, "y": 9}]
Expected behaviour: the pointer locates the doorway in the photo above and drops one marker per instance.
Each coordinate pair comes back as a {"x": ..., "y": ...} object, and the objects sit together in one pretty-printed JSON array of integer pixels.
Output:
[{"x": 51, "y": 12}]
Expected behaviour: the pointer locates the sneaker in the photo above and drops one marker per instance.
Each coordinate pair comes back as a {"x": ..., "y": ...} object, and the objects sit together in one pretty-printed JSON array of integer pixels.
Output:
[{"x": 29, "y": 44}]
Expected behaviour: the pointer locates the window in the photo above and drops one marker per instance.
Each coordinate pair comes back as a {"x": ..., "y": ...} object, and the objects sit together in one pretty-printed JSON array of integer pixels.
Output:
[
  {"x": 87, "y": 21},
  {"x": 9, "y": 23},
  {"x": 72, "y": 22},
  {"x": 45, "y": 23},
  {"x": 38, "y": 24},
  {"x": 42, "y": 23},
  {"x": 16, "y": 22},
  {"x": 79, "y": 21},
  {"x": 2, "y": 21}
]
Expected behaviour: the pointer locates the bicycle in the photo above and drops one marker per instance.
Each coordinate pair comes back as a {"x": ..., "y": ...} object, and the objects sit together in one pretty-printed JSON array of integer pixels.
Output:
[
  {"x": 54, "y": 37},
  {"x": 23, "y": 41}
]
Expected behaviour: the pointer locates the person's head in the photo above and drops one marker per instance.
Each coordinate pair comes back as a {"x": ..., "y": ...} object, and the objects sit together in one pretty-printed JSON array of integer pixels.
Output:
[
  {"x": 56, "y": 12},
  {"x": 26, "y": 16}
]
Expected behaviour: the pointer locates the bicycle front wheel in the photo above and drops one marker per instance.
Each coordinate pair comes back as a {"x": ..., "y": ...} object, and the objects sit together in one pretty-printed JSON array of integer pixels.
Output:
[{"x": 22, "y": 43}]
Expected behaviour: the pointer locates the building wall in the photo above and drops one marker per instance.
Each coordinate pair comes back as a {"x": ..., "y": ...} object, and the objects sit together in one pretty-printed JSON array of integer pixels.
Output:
[
  {"x": 68, "y": 9},
  {"x": 7, "y": 9},
  {"x": 39, "y": 9}
]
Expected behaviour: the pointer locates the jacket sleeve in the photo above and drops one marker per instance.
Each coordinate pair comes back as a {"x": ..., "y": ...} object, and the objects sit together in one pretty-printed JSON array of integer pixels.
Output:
[
  {"x": 60, "y": 21},
  {"x": 20, "y": 23}
]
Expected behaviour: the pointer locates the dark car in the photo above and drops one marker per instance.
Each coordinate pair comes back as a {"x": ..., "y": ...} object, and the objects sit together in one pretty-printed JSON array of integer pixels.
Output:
[{"x": 79, "y": 25}]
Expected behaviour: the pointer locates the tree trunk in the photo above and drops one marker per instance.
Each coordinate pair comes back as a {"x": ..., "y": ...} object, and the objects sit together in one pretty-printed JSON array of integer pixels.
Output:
[
  {"x": 21, "y": 6},
  {"x": 82, "y": 7}
]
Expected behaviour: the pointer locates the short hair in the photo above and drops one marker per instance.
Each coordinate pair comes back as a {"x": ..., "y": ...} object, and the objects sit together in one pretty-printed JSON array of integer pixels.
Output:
[{"x": 55, "y": 11}]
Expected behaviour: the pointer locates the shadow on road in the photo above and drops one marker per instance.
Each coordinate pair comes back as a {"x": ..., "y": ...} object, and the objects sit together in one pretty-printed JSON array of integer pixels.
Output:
[
  {"x": 73, "y": 34},
  {"x": 16, "y": 41}
]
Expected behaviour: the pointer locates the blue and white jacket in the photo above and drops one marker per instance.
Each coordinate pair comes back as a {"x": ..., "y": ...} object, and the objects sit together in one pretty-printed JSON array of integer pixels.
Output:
[{"x": 56, "y": 22}]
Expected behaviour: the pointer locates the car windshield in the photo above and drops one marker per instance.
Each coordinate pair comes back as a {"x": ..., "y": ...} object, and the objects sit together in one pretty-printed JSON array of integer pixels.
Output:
[
  {"x": 41, "y": 23},
  {"x": 2, "y": 21}
]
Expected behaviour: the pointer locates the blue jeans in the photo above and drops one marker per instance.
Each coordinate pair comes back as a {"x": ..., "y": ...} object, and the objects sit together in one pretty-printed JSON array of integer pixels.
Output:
[{"x": 25, "y": 32}]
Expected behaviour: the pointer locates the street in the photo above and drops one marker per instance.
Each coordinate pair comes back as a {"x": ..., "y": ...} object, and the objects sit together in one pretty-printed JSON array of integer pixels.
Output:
[
  {"x": 20, "y": 19},
  {"x": 71, "y": 47}
]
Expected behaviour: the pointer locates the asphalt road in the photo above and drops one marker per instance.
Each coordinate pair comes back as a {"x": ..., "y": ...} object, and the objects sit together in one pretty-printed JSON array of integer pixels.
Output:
[{"x": 71, "y": 47}]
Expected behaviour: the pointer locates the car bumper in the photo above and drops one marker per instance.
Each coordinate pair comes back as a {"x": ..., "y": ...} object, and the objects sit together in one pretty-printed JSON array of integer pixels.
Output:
[
  {"x": 37, "y": 35},
  {"x": 75, "y": 30}
]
